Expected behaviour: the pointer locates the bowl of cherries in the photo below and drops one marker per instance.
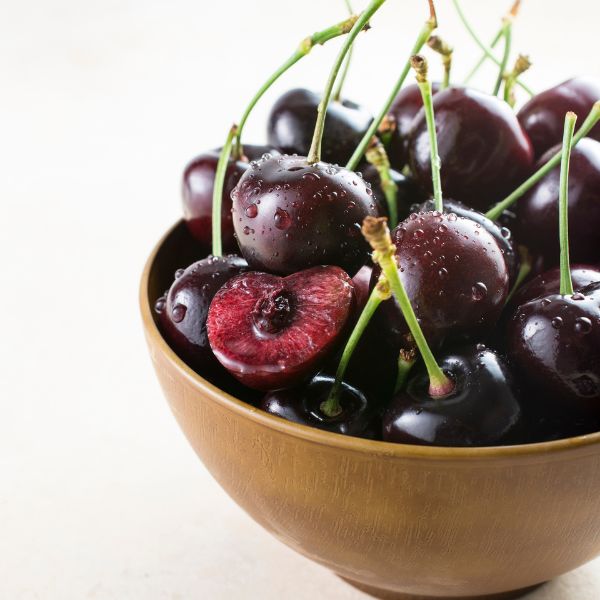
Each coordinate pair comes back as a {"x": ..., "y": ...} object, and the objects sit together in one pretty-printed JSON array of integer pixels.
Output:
[{"x": 394, "y": 365}]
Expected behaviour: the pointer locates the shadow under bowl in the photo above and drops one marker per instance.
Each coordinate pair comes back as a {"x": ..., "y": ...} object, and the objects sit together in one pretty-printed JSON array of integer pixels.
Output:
[{"x": 397, "y": 521}]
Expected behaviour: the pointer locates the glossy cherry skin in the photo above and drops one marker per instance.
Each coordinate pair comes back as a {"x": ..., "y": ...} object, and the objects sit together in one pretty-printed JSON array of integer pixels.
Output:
[
  {"x": 455, "y": 276},
  {"x": 362, "y": 282},
  {"x": 289, "y": 215},
  {"x": 483, "y": 409},
  {"x": 484, "y": 151},
  {"x": 555, "y": 343},
  {"x": 292, "y": 121},
  {"x": 407, "y": 104},
  {"x": 197, "y": 194},
  {"x": 273, "y": 332},
  {"x": 302, "y": 405},
  {"x": 182, "y": 312},
  {"x": 543, "y": 117},
  {"x": 537, "y": 212}
]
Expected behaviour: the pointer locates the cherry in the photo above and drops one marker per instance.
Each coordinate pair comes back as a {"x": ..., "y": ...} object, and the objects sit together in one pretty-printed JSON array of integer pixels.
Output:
[
  {"x": 406, "y": 105},
  {"x": 361, "y": 282},
  {"x": 537, "y": 212},
  {"x": 482, "y": 410},
  {"x": 542, "y": 117},
  {"x": 289, "y": 215},
  {"x": 303, "y": 405},
  {"x": 182, "y": 311},
  {"x": 555, "y": 342},
  {"x": 292, "y": 121},
  {"x": 272, "y": 332},
  {"x": 483, "y": 149},
  {"x": 197, "y": 193}
]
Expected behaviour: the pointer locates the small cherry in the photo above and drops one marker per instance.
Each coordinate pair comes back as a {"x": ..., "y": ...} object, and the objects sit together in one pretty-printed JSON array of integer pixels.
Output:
[
  {"x": 542, "y": 117},
  {"x": 272, "y": 332},
  {"x": 555, "y": 339}
]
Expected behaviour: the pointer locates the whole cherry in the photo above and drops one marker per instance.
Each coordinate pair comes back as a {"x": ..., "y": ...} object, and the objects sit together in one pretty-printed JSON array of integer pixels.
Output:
[
  {"x": 292, "y": 121},
  {"x": 542, "y": 116},
  {"x": 197, "y": 193}
]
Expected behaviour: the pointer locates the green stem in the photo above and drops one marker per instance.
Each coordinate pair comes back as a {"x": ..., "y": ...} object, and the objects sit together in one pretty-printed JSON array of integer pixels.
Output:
[
  {"x": 524, "y": 270},
  {"x": 406, "y": 361},
  {"x": 507, "y": 34},
  {"x": 314, "y": 155},
  {"x": 217, "y": 246},
  {"x": 377, "y": 156},
  {"x": 591, "y": 120},
  {"x": 423, "y": 36},
  {"x": 484, "y": 57},
  {"x": 483, "y": 47},
  {"x": 566, "y": 283},
  {"x": 337, "y": 94},
  {"x": 318, "y": 38},
  {"x": 378, "y": 235},
  {"x": 437, "y": 44}
]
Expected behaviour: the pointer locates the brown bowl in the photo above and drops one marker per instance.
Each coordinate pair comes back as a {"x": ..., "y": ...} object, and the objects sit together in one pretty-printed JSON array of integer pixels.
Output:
[{"x": 395, "y": 520}]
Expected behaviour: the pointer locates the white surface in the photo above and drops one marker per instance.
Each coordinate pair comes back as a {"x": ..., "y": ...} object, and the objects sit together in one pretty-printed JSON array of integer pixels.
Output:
[{"x": 101, "y": 104}]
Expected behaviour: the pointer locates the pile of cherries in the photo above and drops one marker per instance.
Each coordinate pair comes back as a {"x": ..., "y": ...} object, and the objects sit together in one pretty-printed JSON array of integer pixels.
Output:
[{"x": 461, "y": 327}]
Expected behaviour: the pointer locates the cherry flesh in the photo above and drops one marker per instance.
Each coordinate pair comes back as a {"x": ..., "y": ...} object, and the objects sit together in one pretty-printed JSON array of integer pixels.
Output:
[
  {"x": 483, "y": 149},
  {"x": 197, "y": 193},
  {"x": 289, "y": 215},
  {"x": 292, "y": 121},
  {"x": 554, "y": 341},
  {"x": 302, "y": 405},
  {"x": 483, "y": 409},
  {"x": 182, "y": 311},
  {"x": 537, "y": 212},
  {"x": 543, "y": 116},
  {"x": 272, "y": 332},
  {"x": 407, "y": 104}
]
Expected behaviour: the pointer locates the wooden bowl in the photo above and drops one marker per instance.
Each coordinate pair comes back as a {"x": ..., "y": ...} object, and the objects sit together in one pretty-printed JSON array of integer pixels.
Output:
[{"x": 395, "y": 520}]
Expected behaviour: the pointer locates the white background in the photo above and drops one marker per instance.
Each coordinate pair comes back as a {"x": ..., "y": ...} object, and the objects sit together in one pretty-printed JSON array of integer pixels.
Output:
[{"x": 101, "y": 105}]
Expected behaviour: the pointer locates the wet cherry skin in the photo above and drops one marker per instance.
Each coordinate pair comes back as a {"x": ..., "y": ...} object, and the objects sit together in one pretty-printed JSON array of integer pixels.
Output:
[
  {"x": 274, "y": 332},
  {"x": 181, "y": 313},
  {"x": 289, "y": 215},
  {"x": 554, "y": 341},
  {"x": 483, "y": 409},
  {"x": 197, "y": 194},
  {"x": 483, "y": 149},
  {"x": 537, "y": 212},
  {"x": 302, "y": 405},
  {"x": 543, "y": 116},
  {"x": 292, "y": 121}
]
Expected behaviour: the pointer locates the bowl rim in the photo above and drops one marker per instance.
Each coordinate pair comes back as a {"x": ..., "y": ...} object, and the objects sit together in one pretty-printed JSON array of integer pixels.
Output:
[{"x": 319, "y": 436}]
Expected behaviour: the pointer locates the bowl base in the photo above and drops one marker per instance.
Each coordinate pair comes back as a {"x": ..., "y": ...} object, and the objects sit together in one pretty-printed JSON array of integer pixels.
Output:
[{"x": 384, "y": 594}]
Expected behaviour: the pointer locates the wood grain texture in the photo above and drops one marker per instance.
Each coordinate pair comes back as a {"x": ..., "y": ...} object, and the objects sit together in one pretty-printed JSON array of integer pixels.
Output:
[{"x": 402, "y": 520}]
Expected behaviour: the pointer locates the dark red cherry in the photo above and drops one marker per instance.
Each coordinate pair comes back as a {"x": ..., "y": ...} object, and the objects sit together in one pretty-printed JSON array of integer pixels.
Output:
[
  {"x": 554, "y": 341},
  {"x": 407, "y": 104},
  {"x": 484, "y": 151},
  {"x": 537, "y": 212},
  {"x": 182, "y": 312},
  {"x": 292, "y": 122},
  {"x": 454, "y": 273},
  {"x": 289, "y": 215},
  {"x": 361, "y": 282},
  {"x": 302, "y": 405},
  {"x": 543, "y": 116},
  {"x": 197, "y": 193},
  {"x": 273, "y": 332},
  {"x": 483, "y": 409}
]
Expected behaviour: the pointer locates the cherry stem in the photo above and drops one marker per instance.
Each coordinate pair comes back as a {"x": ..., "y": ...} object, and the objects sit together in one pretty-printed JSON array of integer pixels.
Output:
[
  {"x": 423, "y": 36},
  {"x": 314, "y": 154},
  {"x": 419, "y": 64},
  {"x": 217, "y": 245},
  {"x": 522, "y": 64},
  {"x": 337, "y": 94},
  {"x": 318, "y": 38},
  {"x": 591, "y": 120},
  {"x": 406, "y": 361},
  {"x": 377, "y": 156},
  {"x": 524, "y": 270},
  {"x": 488, "y": 53},
  {"x": 376, "y": 232},
  {"x": 484, "y": 57},
  {"x": 566, "y": 283},
  {"x": 332, "y": 407},
  {"x": 437, "y": 44},
  {"x": 507, "y": 34}
]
